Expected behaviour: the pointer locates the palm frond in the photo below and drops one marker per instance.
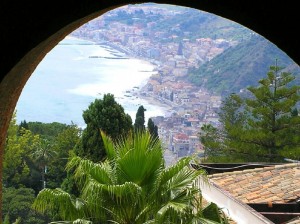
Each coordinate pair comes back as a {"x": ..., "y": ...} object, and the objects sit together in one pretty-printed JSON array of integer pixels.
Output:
[
  {"x": 77, "y": 221},
  {"x": 172, "y": 213},
  {"x": 139, "y": 165},
  {"x": 58, "y": 200},
  {"x": 118, "y": 194},
  {"x": 131, "y": 186},
  {"x": 205, "y": 221},
  {"x": 169, "y": 172},
  {"x": 183, "y": 179},
  {"x": 102, "y": 172},
  {"x": 213, "y": 213},
  {"x": 137, "y": 158},
  {"x": 108, "y": 145},
  {"x": 82, "y": 221},
  {"x": 152, "y": 221}
]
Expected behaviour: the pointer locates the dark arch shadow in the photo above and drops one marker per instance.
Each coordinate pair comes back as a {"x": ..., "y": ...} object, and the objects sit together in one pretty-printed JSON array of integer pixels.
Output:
[{"x": 30, "y": 29}]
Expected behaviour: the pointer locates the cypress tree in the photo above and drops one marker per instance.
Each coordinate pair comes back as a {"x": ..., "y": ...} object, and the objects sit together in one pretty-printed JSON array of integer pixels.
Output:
[
  {"x": 106, "y": 115},
  {"x": 139, "y": 124},
  {"x": 152, "y": 128}
]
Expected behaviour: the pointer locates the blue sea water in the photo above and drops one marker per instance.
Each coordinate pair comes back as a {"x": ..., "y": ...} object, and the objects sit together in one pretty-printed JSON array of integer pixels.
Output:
[{"x": 76, "y": 72}]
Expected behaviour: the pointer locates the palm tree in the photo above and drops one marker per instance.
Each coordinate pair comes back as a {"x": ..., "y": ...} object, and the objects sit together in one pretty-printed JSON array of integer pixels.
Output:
[
  {"x": 131, "y": 186},
  {"x": 42, "y": 156}
]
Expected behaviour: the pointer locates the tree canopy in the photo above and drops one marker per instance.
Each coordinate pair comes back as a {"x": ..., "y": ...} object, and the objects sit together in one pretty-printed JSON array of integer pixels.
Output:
[
  {"x": 19, "y": 147},
  {"x": 152, "y": 128},
  {"x": 262, "y": 126},
  {"x": 17, "y": 204},
  {"x": 139, "y": 124},
  {"x": 131, "y": 186},
  {"x": 107, "y": 115}
]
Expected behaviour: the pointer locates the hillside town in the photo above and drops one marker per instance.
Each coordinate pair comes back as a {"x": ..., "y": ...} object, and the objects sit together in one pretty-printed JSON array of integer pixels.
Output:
[
  {"x": 179, "y": 130},
  {"x": 189, "y": 106}
]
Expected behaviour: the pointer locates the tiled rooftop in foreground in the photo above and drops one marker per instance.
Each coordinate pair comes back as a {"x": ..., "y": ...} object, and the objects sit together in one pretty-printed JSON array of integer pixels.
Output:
[
  {"x": 257, "y": 193},
  {"x": 272, "y": 184}
]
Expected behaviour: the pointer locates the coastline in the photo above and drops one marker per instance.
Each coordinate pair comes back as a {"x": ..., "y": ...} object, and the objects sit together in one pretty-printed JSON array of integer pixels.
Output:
[
  {"x": 150, "y": 99},
  {"x": 127, "y": 54},
  {"x": 156, "y": 102}
]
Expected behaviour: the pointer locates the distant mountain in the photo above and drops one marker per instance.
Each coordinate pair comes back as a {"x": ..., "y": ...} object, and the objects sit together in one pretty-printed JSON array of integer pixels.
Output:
[
  {"x": 241, "y": 66},
  {"x": 193, "y": 24},
  {"x": 183, "y": 22}
]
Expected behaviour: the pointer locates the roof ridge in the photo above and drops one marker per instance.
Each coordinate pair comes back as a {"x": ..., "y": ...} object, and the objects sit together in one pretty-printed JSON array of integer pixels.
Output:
[
  {"x": 281, "y": 166},
  {"x": 287, "y": 165}
]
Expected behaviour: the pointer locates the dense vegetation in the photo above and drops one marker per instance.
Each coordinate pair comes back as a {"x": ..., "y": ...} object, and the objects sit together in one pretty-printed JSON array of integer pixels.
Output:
[
  {"x": 241, "y": 66},
  {"x": 48, "y": 175},
  {"x": 48, "y": 161},
  {"x": 108, "y": 115},
  {"x": 262, "y": 125},
  {"x": 131, "y": 186},
  {"x": 33, "y": 161}
]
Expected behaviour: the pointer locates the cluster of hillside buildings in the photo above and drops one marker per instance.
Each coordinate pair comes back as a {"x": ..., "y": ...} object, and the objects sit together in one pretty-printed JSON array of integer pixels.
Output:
[
  {"x": 188, "y": 112},
  {"x": 267, "y": 194},
  {"x": 172, "y": 53},
  {"x": 189, "y": 106}
]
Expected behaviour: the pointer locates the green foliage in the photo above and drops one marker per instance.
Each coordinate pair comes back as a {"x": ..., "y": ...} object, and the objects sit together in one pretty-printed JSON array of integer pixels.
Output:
[
  {"x": 42, "y": 156},
  {"x": 63, "y": 145},
  {"x": 131, "y": 186},
  {"x": 213, "y": 212},
  {"x": 153, "y": 129},
  {"x": 6, "y": 219},
  {"x": 240, "y": 67},
  {"x": 208, "y": 136},
  {"x": 272, "y": 126},
  {"x": 233, "y": 119},
  {"x": 46, "y": 130},
  {"x": 105, "y": 114},
  {"x": 69, "y": 185},
  {"x": 16, "y": 205},
  {"x": 20, "y": 144},
  {"x": 32, "y": 160},
  {"x": 23, "y": 125},
  {"x": 139, "y": 124},
  {"x": 261, "y": 127}
]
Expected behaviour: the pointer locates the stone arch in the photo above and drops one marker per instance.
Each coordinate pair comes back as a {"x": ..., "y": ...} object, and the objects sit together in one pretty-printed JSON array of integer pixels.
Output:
[{"x": 30, "y": 29}]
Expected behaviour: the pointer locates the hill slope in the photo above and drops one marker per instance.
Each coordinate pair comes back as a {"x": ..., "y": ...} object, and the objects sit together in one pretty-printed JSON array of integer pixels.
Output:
[
  {"x": 154, "y": 30},
  {"x": 241, "y": 66},
  {"x": 176, "y": 20}
]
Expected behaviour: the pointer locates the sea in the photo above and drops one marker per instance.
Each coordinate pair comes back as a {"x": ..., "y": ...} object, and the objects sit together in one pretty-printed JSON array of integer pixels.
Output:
[{"x": 76, "y": 72}]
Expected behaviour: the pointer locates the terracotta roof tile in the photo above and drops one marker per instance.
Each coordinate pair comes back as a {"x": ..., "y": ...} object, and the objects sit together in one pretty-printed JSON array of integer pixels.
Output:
[{"x": 276, "y": 184}]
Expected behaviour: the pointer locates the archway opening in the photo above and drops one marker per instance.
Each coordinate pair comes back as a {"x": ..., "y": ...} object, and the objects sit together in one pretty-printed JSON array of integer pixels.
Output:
[
  {"x": 178, "y": 52},
  {"x": 186, "y": 51}
]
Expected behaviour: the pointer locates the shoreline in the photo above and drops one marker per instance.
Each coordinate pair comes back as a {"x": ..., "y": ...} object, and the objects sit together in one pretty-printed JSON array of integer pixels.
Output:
[
  {"x": 129, "y": 55},
  {"x": 155, "y": 102}
]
